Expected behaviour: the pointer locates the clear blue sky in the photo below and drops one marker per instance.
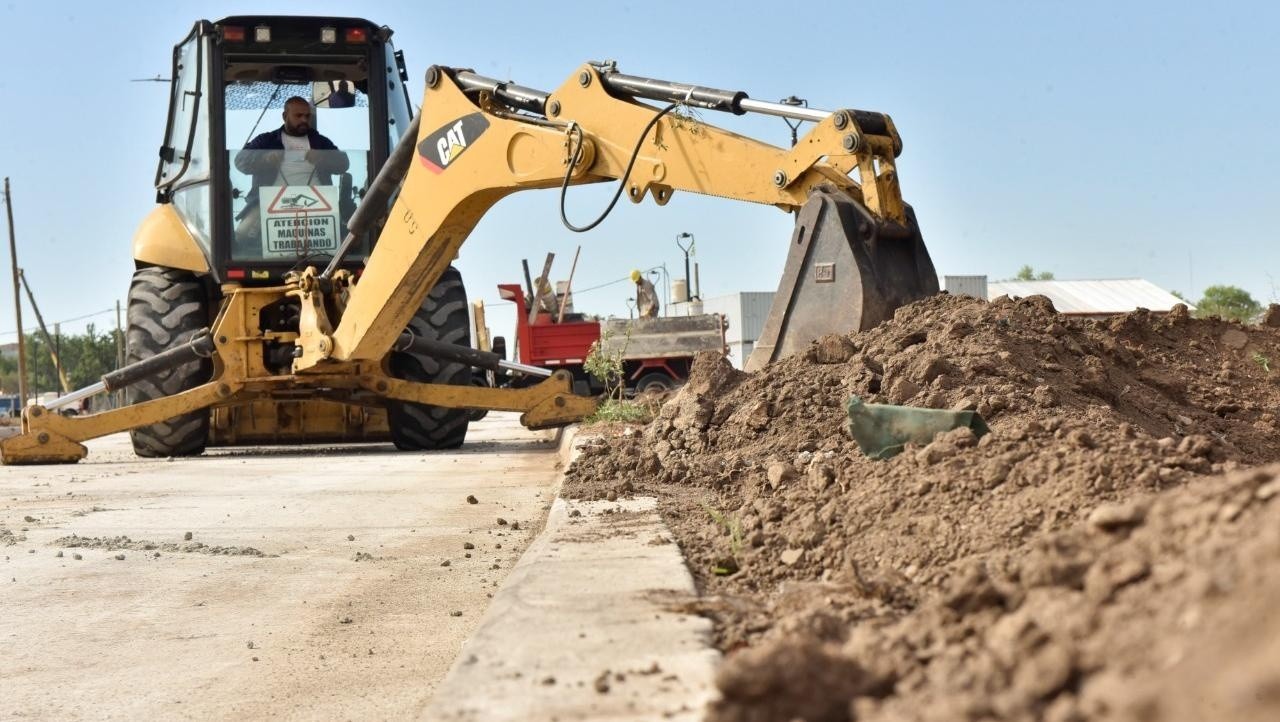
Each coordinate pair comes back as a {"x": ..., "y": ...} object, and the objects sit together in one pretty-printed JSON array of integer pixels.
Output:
[{"x": 1092, "y": 139}]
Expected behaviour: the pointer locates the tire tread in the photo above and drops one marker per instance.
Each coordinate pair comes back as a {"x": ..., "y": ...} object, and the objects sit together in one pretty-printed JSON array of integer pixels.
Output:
[
  {"x": 442, "y": 317},
  {"x": 166, "y": 307}
]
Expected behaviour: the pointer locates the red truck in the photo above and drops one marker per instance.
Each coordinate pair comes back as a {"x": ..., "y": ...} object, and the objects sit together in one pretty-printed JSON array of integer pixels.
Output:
[{"x": 656, "y": 352}]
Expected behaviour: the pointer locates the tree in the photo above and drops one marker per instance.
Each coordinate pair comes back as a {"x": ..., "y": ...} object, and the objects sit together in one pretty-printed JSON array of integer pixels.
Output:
[
  {"x": 1027, "y": 273},
  {"x": 85, "y": 358},
  {"x": 8, "y": 375},
  {"x": 1229, "y": 302}
]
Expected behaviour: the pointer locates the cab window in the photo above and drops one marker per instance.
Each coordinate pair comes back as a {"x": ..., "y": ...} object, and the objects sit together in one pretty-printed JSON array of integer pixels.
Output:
[{"x": 292, "y": 192}]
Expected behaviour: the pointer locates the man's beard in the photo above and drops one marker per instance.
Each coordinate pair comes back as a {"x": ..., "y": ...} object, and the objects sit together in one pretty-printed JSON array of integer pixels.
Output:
[{"x": 298, "y": 130}]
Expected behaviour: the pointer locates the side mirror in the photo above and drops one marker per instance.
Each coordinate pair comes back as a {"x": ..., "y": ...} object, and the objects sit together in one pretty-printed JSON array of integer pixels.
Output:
[{"x": 333, "y": 94}]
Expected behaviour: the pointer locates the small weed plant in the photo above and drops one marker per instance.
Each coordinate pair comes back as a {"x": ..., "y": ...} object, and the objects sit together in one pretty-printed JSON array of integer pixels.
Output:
[
  {"x": 621, "y": 411},
  {"x": 732, "y": 526},
  {"x": 607, "y": 366}
]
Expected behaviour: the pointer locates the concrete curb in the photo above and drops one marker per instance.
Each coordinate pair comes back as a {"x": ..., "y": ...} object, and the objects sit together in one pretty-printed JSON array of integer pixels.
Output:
[{"x": 586, "y": 625}]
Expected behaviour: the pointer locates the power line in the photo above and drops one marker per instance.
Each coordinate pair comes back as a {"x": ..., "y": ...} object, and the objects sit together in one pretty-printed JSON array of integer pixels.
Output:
[
  {"x": 65, "y": 320},
  {"x": 603, "y": 285},
  {"x": 95, "y": 314},
  {"x": 580, "y": 291}
]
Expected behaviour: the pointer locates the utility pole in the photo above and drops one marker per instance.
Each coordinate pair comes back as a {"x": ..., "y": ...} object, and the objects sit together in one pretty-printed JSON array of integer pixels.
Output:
[
  {"x": 55, "y": 349},
  {"x": 119, "y": 351},
  {"x": 666, "y": 287},
  {"x": 17, "y": 301},
  {"x": 688, "y": 282},
  {"x": 57, "y": 362}
]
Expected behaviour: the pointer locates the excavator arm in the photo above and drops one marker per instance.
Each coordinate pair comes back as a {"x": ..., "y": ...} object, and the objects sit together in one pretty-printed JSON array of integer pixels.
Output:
[{"x": 478, "y": 140}]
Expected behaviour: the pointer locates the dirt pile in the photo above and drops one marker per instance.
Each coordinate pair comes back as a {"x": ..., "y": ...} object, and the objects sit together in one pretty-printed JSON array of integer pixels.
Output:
[
  {"x": 1160, "y": 609},
  {"x": 953, "y": 574}
]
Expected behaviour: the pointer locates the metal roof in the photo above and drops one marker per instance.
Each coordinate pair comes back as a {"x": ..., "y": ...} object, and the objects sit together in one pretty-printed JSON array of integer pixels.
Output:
[{"x": 1111, "y": 296}]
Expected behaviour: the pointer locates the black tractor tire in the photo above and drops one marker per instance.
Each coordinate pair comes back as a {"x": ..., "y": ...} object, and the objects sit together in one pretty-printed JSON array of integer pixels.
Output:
[
  {"x": 167, "y": 306},
  {"x": 442, "y": 317}
]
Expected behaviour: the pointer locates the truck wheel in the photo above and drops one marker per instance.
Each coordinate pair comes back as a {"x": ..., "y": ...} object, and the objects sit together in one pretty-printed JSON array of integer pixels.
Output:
[
  {"x": 443, "y": 317},
  {"x": 654, "y": 382},
  {"x": 167, "y": 307}
]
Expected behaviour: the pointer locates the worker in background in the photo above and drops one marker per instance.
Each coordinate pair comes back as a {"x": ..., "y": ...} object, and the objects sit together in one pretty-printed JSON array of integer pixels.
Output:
[
  {"x": 646, "y": 296},
  {"x": 340, "y": 95}
]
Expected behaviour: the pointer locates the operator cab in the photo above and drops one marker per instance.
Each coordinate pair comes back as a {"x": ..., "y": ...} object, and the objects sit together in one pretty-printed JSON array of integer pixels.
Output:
[{"x": 282, "y": 203}]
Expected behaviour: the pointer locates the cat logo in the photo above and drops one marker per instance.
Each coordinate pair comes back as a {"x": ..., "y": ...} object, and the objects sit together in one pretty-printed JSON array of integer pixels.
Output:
[{"x": 446, "y": 144}]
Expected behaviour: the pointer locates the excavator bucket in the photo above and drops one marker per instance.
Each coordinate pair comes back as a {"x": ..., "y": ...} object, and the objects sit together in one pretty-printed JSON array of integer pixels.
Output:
[{"x": 847, "y": 271}]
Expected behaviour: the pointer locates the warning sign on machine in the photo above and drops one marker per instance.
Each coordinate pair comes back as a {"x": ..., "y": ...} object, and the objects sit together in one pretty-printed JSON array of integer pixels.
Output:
[{"x": 298, "y": 220}]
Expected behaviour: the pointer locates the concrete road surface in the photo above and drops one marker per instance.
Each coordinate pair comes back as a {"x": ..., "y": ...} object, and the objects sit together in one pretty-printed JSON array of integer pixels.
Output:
[{"x": 326, "y": 582}]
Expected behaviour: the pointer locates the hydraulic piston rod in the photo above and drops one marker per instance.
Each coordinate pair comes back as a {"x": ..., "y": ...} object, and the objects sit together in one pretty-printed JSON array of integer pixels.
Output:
[
  {"x": 198, "y": 346},
  {"x": 463, "y": 354},
  {"x": 813, "y": 115},
  {"x": 729, "y": 101},
  {"x": 515, "y": 96},
  {"x": 76, "y": 396}
]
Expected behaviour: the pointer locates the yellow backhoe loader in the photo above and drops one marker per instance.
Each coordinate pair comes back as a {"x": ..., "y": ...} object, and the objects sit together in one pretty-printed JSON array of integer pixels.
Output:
[{"x": 316, "y": 301}]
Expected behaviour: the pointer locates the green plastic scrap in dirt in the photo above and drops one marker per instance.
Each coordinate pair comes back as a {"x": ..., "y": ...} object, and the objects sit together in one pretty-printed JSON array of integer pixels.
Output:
[{"x": 881, "y": 430}]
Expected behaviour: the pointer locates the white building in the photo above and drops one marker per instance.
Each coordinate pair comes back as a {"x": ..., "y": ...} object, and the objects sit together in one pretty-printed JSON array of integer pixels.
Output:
[
  {"x": 1092, "y": 298},
  {"x": 1085, "y": 298}
]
